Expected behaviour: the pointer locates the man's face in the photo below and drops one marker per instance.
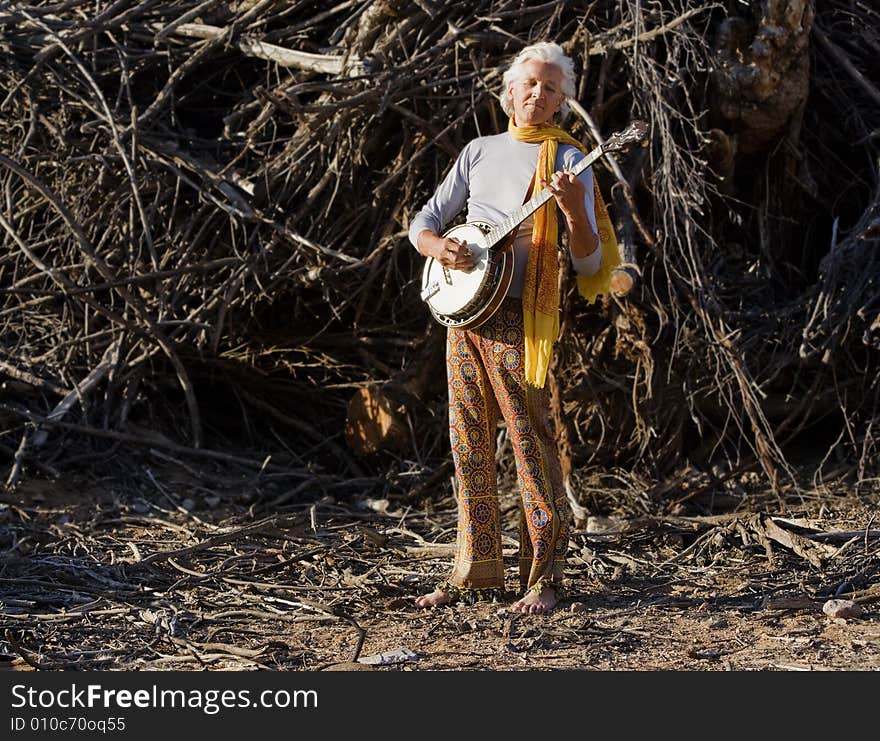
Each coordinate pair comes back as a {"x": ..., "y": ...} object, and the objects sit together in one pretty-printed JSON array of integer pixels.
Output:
[{"x": 536, "y": 93}]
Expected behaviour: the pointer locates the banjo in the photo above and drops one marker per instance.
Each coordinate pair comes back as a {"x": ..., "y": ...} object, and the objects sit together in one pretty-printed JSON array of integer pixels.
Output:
[{"x": 467, "y": 298}]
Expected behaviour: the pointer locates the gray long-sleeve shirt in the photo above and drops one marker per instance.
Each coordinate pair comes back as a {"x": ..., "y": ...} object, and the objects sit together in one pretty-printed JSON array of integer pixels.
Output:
[{"x": 491, "y": 176}]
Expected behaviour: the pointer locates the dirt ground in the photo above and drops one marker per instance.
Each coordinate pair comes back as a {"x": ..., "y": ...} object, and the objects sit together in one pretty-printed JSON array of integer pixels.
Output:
[{"x": 164, "y": 572}]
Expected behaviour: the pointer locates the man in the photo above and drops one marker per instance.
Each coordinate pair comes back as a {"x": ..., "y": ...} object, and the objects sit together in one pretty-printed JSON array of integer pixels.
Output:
[{"x": 501, "y": 366}]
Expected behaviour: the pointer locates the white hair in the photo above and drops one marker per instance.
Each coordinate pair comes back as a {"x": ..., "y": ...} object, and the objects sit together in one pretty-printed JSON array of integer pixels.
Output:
[{"x": 543, "y": 51}]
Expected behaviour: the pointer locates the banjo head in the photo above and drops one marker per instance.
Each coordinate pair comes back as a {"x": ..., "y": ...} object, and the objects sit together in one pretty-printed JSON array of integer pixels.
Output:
[{"x": 467, "y": 298}]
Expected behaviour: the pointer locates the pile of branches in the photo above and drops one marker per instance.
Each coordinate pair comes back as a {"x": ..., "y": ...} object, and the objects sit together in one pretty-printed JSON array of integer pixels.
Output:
[{"x": 205, "y": 207}]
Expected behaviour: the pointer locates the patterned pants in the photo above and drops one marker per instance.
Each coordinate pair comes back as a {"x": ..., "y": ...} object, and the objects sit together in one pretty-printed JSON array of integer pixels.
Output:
[{"x": 485, "y": 370}]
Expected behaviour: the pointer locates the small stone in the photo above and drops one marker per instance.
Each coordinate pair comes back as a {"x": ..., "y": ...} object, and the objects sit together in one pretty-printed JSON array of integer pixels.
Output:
[
  {"x": 396, "y": 656},
  {"x": 709, "y": 654},
  {"x": 577, "y": 608},
  {"x": 598, "y": 525},
  {"x": 188, "y": 504},
  {"x": 373, "y": 538},
  {"x": 716, "y": 623},
  {"x": 378, "y": 505},
  {"x": 842, "y": 608}
]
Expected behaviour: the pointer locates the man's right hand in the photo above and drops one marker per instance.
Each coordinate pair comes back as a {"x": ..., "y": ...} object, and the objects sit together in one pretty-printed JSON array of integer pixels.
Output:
[{"x": 449, "y": 252}]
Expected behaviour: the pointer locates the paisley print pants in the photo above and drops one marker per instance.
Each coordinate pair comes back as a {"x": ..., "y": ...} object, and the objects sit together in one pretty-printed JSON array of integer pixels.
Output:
[{"x": 485, "y": 371}]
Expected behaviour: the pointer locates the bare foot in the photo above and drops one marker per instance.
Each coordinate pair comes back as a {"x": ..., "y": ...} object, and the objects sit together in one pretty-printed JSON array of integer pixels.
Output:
[
  {"x": 535, "y": 603},
  {"x": 434, "y": 599}
]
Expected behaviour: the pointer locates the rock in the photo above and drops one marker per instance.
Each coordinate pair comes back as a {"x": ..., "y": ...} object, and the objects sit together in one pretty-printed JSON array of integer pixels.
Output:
[
  {"x": 373, "y": 538},
  {"x": 378, "y": 505},
  {"x": 577, "y": 608},
  {"x": 709, "y": 654},
  {"x": 598, "y": 525},
  {"x": 842, "y": 608},
  {"x": 396, "y": 656}
]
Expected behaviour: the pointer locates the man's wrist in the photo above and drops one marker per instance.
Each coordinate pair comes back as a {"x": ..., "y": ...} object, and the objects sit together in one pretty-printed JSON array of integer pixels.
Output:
[
  {"x": 583, "y": 242},
  {"x": 577, "y": 221},
  {"x": 425, "y": 242}
]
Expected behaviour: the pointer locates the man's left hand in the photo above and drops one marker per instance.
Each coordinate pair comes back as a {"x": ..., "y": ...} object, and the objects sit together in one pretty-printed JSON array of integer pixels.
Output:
[{"x": 569, "y": 193}]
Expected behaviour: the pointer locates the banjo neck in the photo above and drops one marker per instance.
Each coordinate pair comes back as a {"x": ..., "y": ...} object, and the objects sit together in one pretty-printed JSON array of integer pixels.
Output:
[
  {"x": 636, "y": 131},
  {"x": 513, "y": 220}
]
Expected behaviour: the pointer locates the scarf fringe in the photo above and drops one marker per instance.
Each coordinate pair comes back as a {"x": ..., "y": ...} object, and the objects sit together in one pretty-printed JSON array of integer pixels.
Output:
[{"x": 541, "y": 331}]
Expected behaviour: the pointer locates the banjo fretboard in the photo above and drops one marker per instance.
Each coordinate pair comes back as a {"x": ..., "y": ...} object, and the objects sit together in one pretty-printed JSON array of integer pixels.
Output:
[{"x": 513, "y": 220}]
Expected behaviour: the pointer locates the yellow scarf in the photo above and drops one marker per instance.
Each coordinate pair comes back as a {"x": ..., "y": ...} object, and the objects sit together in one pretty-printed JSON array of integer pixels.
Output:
[{"x": 541, "y": 286}]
